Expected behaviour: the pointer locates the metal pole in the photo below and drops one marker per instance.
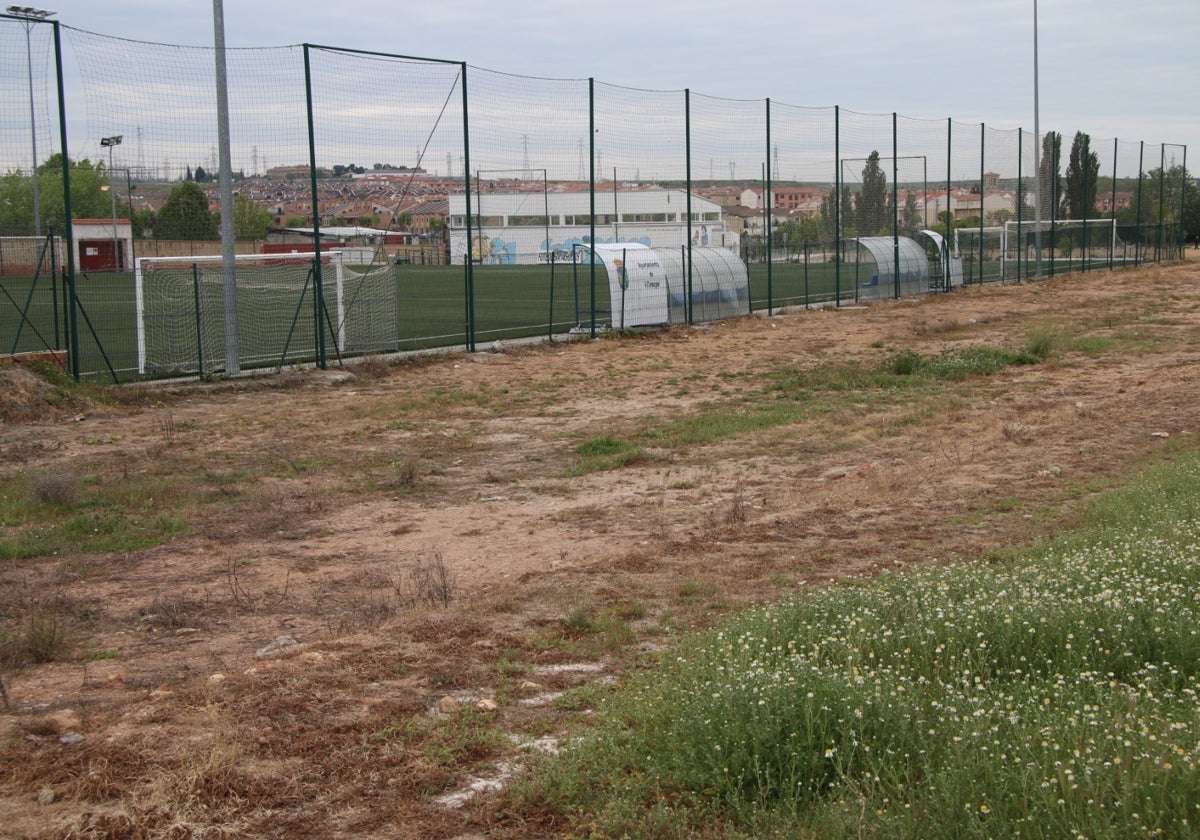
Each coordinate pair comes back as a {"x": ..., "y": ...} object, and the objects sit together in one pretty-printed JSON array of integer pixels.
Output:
[
  {"x": 895, "y": 207},
  {"x": 112, "y": 194},
  {"x": 228, "y": 269},
  {"x": 69, "y": 233},
  {"x": 1037, "y": 146},
  {"x": 769, "y": 201},
  {"x": 982, "y": 166},
  {"x": 837, "y": 206},
  {"x": 1112, "y": 240},
  {"x": 1020, "y": 201},
  {"x": 592, "y": 198},
  {"x": 687, "y": 141},
  {"x": 316, "y": 213},
  {"x": 467, "y": 179},
  {"x": 28, "y": 16}
]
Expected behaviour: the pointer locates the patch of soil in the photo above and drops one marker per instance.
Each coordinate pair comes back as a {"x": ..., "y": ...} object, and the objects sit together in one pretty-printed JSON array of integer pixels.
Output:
[{"x": 419, "y": 532}]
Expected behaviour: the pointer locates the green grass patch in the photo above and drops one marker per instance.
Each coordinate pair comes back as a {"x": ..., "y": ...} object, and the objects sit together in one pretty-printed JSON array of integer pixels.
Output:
[
  {"x": 605, "y": 452},
  {"x": 1050, "y": 693}
]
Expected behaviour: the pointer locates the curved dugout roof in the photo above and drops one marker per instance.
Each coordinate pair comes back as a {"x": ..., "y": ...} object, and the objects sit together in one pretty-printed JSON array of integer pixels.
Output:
[{"x": 914, "y": 265}]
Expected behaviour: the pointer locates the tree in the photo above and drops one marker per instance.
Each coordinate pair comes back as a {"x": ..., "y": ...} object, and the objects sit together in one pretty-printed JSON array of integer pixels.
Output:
[
  {"x": 250, "y": 221},
  {"x": 1083, "y": 168},
  {"x": 402, "y": 221},
  {"x": 872, "y": 205},
  {"x": 1048, "y": 177},
  {"x": 912, "y": 214},
  {"x": 185, "y": 215},
  {"x": 89, "y": 196}
]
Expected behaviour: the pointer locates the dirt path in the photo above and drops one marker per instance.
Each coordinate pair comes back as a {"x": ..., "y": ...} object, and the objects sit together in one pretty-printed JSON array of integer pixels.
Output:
[{"x": 324, "y": 507}]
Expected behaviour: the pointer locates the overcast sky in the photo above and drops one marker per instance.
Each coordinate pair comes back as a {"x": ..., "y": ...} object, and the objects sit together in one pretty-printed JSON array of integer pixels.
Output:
[{"x": 1113, "y": 68}]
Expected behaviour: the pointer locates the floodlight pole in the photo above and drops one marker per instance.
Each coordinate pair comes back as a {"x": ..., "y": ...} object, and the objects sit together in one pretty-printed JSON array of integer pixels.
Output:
[
  {"x": 29, "y": 16},
  {"x": 1037, "y": 151},
  {"x": 109, "y": 143},
  {"x": 228, "y": 272}
]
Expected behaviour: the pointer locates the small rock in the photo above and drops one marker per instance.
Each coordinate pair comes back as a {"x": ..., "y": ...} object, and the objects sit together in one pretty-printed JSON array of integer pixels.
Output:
[
  {"x": 282, "y": 645},
  {"x": 161, "y": 692},
  {"x": 486, "y": 704},
  {"x": 448, "y": 705},
  {"x": 1160, "y": 434},
  {"x": 530, "y": 685},
  {"x": 46, "y": 796},
  {"x": 216, "y": 678},
  {"x": 70, "y": 738},
  {"x": 835, "y": 473}
]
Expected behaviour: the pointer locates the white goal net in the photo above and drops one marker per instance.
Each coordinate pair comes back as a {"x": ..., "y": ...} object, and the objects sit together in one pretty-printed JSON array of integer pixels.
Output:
[{"x": 181, "y": 310}]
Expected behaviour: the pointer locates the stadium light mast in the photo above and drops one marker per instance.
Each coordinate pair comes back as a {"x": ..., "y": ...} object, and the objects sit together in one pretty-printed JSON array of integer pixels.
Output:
[
  {"x": 1037, "y": 152},
  {"x": 229, "y": 277},
  {"x": 29, "y": 16},
  {"x": 109, "y": 143}
]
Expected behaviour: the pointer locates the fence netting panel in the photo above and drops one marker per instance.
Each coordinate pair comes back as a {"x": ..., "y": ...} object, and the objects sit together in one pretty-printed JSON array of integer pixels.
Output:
[
  {"x": 529, "y": 180},
  {"x": 388, "y": 140},
  {"x": 804, "y": 235},
  {"x": 151, "y": 130}
]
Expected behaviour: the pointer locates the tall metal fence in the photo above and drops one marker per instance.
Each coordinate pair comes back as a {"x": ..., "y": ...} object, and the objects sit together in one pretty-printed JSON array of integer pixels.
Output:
[{"x": 389, "y": 202}]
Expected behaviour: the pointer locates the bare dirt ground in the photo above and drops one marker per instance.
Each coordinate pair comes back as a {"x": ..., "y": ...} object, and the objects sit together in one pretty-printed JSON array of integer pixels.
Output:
[{"x": 325, "y": 506}]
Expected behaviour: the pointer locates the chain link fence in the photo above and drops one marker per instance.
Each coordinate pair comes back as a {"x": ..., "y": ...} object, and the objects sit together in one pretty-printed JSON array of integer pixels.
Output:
[{"x": 386, "y": 203}]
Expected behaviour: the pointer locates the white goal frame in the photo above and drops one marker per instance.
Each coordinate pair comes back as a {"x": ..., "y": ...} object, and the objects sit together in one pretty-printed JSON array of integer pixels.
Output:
[{"x": 337, "y": 259}]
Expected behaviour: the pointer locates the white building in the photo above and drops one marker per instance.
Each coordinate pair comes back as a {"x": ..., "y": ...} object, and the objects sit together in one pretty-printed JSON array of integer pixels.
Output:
[{"x": 529, "y": 227}]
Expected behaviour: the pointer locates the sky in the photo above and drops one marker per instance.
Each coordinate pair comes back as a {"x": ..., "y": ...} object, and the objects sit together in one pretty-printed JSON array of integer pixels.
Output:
[{"x": 1113, "y": 68}]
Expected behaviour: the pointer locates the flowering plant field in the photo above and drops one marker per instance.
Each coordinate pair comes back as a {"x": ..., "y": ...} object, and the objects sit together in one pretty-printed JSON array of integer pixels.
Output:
[{"x": 1050, "y": 695}]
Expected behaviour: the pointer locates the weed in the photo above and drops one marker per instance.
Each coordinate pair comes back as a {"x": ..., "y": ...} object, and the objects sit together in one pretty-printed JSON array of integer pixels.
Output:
[
  {"x": 56, "y": 488},
  {"x": 172, "y": 612}
]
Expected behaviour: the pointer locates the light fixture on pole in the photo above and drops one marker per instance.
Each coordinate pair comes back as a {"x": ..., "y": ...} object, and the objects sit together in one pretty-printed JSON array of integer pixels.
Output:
[
  {"x": 29, "y": 16},
  {"x": 109, "y": 143}
]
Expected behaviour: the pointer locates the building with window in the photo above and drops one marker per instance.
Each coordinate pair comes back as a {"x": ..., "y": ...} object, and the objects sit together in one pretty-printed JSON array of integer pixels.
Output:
[{"x": 532, "y": 227}]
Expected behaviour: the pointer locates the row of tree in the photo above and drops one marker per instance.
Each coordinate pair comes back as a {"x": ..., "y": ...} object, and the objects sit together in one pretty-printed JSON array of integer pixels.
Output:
[
  {"x": 183, "y": 215},
  {"x": 870, "y": 210}
]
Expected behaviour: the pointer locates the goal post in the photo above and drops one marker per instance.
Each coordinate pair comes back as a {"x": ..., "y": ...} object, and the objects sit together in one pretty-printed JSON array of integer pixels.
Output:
[
  {"x": 179, "y": 305},
  {"x": 1088, "y": 243}
]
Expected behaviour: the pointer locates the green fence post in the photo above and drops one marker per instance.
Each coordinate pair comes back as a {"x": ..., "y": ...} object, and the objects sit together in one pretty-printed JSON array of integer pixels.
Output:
[
  {"x": 199, "y": 317},
  {"x": 316, "y": 212},
  {"x": 951, "y": 239},
  {"x": 1162, "y": 184},
  {"x": 687, "y": 141},
  {"x": 69, "y": 233},
  {"x": 592, "y": 197},
  {"x": 767, "y": 215},
  {"x": 1112, "y": 241},
  {"x": 1020, "y": 201},
  {"x": 470, "y": 267},
  {"x": 837, "y": 206},
  {"x": 895, "y": 209},
  {"x": 982, "y": 166},
  {"x": 1137, "y": 260}
]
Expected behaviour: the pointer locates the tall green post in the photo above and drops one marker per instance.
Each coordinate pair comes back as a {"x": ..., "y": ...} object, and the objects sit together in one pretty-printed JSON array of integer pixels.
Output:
[
  {"x": 895, "y": 208},
  {"x": 1141, "y": 173},
  {"x": 982, "y": 166},
  {"x": 687, "y": 142},
  {"x": 592, "y": 197},
  {"x": 1020, "y": 201},
  {"x": 318, "y": 289},
  {"x": 837, "y": 206},
  {"x": 949, "y": 282},
  {"x": 69, "y": 233},
  {"x": 470, "y": 272},
  {"x": 767, "y": 207},
  {"x": 1112, "y": 241}
]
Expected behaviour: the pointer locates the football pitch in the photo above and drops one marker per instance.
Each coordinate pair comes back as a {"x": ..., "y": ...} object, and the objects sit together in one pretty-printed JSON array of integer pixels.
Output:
[{"x": 430, "y": 308}]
